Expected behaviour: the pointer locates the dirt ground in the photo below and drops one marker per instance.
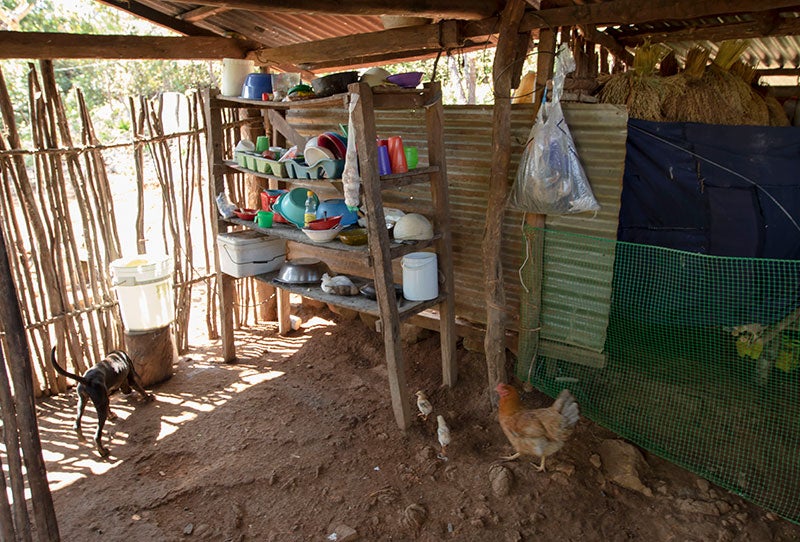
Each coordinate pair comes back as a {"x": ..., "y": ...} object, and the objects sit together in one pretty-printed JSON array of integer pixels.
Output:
[{"x": 297, "y": 441}]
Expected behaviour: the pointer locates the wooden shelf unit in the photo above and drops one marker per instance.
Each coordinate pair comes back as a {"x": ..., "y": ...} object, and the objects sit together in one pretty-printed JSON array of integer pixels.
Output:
[{"x": 380, "y": 250}]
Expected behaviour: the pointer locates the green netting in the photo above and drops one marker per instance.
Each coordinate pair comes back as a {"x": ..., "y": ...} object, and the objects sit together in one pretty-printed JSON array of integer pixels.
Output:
[{"x": 700, "y": 361}]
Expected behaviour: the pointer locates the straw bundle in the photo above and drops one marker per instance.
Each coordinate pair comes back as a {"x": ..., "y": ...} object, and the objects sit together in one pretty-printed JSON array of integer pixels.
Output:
[
  {"x": 701, "y": 93},
  {"x": 745, "y": 72},
  {"x": 696, "y": 60},
  {"x": 729, "y": 53},
  {"x": 639, "y": 89}
]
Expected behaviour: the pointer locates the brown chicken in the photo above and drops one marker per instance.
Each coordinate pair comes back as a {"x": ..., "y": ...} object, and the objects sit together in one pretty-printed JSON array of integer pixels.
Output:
[{"x": 540, "y": 432}]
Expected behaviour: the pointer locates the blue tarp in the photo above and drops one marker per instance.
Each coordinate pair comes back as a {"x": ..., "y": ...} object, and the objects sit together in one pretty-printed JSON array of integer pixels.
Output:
[
  {"x": 714, "y": 191},
  {"x": 711, "y": 189}
]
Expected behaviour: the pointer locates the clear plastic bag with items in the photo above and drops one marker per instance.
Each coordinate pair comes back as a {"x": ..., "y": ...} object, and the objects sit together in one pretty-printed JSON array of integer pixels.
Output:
[{"x": 550, "y": 179}]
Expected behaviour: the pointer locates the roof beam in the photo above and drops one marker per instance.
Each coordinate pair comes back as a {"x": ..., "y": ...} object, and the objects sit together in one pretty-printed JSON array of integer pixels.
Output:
[
  {"x": 634, "y": 11},
  {"x": 393, "y": 43},
  {"x": 752, "y": 29},
  {"x": 36, "y": 45},
  {"x": 607, "y": 41},
  {"x": 447, "y": 9},
  {"x": 158, "y": 18},
  {"x": 198, "y": 14}
]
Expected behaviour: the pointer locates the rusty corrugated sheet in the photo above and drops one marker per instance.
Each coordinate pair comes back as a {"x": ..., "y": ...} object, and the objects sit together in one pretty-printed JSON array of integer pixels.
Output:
[
  {"x": 597, "y": 133},
  {"x": 278, "y": 28}
]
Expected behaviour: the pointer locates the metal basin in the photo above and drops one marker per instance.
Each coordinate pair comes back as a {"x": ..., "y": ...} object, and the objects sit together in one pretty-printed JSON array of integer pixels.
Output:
[{"x": 302, "y": 271}]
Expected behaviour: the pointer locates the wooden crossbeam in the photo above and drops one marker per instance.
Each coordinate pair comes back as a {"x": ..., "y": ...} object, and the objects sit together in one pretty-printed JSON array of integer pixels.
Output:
[
  {"x": 396, "y": 41},
  {"x": 35, "y": 45}
]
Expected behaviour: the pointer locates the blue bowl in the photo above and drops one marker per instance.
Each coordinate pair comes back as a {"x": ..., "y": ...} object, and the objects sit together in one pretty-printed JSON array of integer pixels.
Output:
[
  {"x": 336, "y": 207},
  {"x": 255, "y": 85},
  {"x": 292, "y": 206}
]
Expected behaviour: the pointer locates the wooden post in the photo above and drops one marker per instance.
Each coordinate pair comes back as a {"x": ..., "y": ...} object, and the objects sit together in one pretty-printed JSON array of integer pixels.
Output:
[
  {"x": 153, "y": 354},
  {"x": 544, "y": 71},
  {"x": 217, "y": 185},
  {"x": 22, "y": 378},
  {"x": 379, "y": 251},
  {"x": 255, "y": 185},
  {"x": 444, "y": 246},
  {"x": 504, "y": 59},
  {"x": 284, "y": 312}
]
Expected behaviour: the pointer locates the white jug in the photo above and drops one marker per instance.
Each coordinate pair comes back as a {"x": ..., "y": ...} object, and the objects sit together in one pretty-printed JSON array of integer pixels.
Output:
[{"x": 234, "y": 72}]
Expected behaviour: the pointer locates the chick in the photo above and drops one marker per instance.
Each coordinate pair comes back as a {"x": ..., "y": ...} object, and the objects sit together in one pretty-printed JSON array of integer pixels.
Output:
[
  {"x": 424, "y": 406},
  {"x": 444, "y": 435}
]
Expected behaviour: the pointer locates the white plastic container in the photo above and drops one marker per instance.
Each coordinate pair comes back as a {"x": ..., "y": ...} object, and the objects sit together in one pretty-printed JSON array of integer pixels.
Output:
[
  {"x": 420, "y": 276},
  {"x": 247, "y": 253},
  {"x": 234, "y": 72},
  {"x": 144, "y": 289}
]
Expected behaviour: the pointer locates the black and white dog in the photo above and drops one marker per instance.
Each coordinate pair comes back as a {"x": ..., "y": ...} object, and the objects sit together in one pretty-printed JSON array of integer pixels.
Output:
[{"x": 115, "y": 372}]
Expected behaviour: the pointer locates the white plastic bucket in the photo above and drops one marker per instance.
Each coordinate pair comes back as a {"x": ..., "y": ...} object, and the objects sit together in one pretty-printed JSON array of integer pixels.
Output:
[
  {"x": 234, "y": 72},
  {"x": 144, "y": 289},
  {"x": 420, "y": 276}
]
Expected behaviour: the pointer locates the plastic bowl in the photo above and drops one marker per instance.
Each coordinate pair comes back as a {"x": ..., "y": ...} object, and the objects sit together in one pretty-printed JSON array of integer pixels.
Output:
[
  {"x": 325, "y": 223},
  {"x": 322, "y": 236},
  {"x": 292, "y": 206},
  {"x": 245, "y": 214},
  {"x": 329, "y": 141},
  {"x": 255, "y": 85},
  {"x": 354, "y": 237},
  {"x": 335, "y": 207},
  {"x": 314, "y": 155},
  {"x": 406, "y": 80}
]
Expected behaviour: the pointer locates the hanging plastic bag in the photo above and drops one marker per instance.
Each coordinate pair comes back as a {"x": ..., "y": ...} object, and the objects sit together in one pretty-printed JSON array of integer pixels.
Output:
[
  {"x": 351, "y": 180},
  {"x": 550, "y": 179}
]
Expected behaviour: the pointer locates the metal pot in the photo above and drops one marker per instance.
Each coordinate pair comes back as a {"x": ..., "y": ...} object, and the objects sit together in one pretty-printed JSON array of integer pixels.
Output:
[
  {"x": 334, "y": 83},
  {"x": 302, "y": 271}
]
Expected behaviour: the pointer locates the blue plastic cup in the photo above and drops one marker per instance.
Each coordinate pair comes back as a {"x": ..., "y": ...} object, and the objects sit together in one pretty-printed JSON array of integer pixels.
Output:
[{"x": 384, "y": 165}]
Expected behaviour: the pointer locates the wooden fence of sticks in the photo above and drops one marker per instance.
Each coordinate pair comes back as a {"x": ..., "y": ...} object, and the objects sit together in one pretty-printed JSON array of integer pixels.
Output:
[{"x": 61, "y": 213}]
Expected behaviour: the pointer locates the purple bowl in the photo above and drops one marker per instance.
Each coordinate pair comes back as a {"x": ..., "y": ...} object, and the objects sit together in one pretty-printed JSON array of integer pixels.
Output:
[{"x": 406, "y": 80}]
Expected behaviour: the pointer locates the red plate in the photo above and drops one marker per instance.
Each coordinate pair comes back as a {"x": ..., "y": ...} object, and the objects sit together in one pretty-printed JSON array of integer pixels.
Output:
[{"x": 333, "y": 144}]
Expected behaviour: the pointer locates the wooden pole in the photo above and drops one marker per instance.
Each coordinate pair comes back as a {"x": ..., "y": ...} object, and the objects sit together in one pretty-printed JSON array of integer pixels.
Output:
[
  {"x": 504, "y": 59},
  {"x": 22, "y": 378},
  {"x": 434, "y": 120},
  {"x": 8, "y": 411},
  {"x": 225, "y": 284},
  {"x": 6, "y": 519}
]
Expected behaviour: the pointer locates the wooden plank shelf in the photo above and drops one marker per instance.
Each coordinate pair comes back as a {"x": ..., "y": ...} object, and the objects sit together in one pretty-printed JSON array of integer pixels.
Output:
[
  {"x": 405, "y": 308},
  {"x": 337, "y": 100},
  {"x": 291, "y": 233},
  {"x": 394, "y": 180}
]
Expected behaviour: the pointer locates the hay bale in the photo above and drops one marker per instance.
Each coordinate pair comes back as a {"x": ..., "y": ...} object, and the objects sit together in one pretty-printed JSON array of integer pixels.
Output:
[
  {"x": 777, "y": 114},
  {"x": 718, "y": 97},
  {"x": 641, "y": 95}
]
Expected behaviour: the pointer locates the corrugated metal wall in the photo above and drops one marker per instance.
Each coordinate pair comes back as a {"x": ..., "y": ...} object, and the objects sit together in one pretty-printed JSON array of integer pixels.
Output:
[{"x": 599, "y": 134}]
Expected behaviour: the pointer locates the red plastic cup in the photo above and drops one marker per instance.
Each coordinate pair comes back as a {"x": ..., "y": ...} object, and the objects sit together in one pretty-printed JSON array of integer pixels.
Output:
[{"x": 397, "y": 155}]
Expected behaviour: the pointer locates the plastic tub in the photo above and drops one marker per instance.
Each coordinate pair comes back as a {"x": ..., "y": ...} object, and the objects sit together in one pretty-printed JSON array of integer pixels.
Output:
[
  {"x": 248, "y": 253},
  {"x": 143, "y": 285},
  {"x": 420, "y": 276}
]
